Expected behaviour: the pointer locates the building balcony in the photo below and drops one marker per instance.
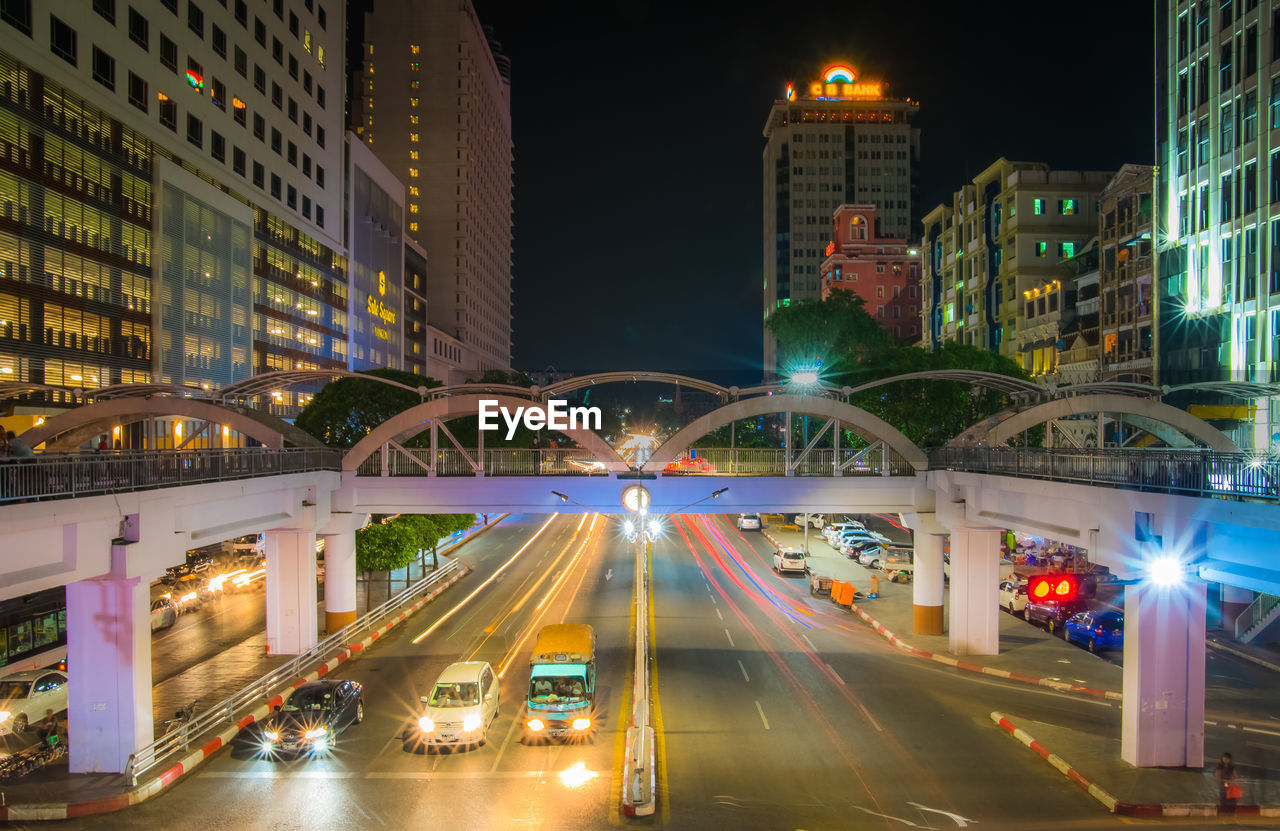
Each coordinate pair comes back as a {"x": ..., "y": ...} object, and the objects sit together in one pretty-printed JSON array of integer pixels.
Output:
[{"x": 1087, "y": 307}]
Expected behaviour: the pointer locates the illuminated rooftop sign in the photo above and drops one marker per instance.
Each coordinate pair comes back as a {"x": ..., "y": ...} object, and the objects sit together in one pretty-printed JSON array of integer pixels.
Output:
[{"x": 840, "y": 83}]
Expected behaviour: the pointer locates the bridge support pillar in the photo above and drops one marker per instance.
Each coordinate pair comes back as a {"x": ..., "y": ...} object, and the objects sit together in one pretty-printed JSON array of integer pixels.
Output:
[
  {"x": 291, "y": 591},
  {"x": 975, "y": 598},
  {"x": 339, "y": 580},
  {"x": 109, "y": 652},
  {"x": 927, "y": 586},
  {"x": 1162, "y": 716}
]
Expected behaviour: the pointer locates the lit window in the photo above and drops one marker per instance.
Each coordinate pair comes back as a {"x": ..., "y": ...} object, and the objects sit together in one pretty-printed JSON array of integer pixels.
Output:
[
  {"x": 320, "y": 54},
  {"x": 413, "y": 137},
  {"x": 1067, "y": 249},
  {"x": 413, "y": 102},
  {"x": 414, "y": 67},
  {"x": 1041, "y": 248},
  {"x": 1037, "y": 206},
  {"x": 195, "y": 75},
  {"x": 413, "y": 173},
  {"x": 413, "y": 49},
  {"x": 413, "y": 155},
  {"x": 306, "y": 40},
  {"x": 413, "y": 119},
  {"x": 414, "y": 84},
  {"x": 1067, "y": 207},
  {"x": 413, "y": 226},
  {"x": 413, "y": 191},
  {"x": 413, "y": 208}
]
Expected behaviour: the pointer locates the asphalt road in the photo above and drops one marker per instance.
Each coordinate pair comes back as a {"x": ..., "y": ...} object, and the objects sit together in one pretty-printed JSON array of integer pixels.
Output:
[
  {"x": 773, "y": 711},
  {"x": 200, "y": 634},
  {"x": 571, "y": 569}
]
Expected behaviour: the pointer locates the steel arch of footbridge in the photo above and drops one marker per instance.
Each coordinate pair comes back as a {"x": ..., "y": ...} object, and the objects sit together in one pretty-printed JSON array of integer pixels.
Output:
[
  {"x": 857, "y": 419},
  {"x": 999, "y": 430},
  {"x": 69, "y": 429},
  {"x": 416, "y": 419}
]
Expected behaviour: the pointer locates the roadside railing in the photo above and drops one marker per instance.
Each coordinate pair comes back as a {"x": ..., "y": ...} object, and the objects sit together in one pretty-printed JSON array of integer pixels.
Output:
[
  {"x": 225, "y": 712},
  {"x": 1238, "y": 476},
  {"x": 66, "y": 475}
]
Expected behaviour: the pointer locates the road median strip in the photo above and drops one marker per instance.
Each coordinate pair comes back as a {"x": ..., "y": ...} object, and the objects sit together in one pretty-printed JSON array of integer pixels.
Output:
[
  {"x": 1116, "y": 806},
  {"x": 33, "y": 812}
]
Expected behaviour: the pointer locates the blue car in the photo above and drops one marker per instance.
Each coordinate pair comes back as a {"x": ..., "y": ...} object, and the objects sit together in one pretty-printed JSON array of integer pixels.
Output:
[{"x": 1096, "y": 630}]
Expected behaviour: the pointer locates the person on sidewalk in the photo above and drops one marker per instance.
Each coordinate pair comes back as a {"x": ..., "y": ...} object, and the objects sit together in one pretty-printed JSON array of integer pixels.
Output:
[{"x": 1228, "y": 791}]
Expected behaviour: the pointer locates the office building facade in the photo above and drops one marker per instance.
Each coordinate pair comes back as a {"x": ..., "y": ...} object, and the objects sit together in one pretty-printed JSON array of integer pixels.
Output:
[
  {"x": 1218, "y": 238},
  {"x": 999, "y": 245},
  {"x": 884, "y": 272},
  {"x": 433, "y": 101},
  {"x": 834, "y": 140},
  {"x": 171, "y": 177}
]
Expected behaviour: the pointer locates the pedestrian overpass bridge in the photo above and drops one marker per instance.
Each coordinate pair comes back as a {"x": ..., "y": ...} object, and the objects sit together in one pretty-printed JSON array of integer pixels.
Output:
[{"x": 107, "y": 524}]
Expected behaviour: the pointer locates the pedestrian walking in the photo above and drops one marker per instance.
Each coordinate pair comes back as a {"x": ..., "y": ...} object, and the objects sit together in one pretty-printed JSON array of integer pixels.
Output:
[{"x": 1228, "y": 789}]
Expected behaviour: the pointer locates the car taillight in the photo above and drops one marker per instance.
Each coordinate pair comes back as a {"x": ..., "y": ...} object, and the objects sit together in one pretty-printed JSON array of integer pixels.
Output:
[{"x": 1098, "y": 631}]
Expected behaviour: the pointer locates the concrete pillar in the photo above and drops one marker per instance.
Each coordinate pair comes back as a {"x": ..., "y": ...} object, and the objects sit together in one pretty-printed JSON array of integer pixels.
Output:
[
  {"x": 927, "y": 585},
  {"x": 1234, "y": 602},
  {"x": 291, "y": 591},
  {"x": 1162, "y": 717},
  {"x": 975, "y": 595},
  {"x": 339, "y": 580},
  {"x": 109, "y": 655}
]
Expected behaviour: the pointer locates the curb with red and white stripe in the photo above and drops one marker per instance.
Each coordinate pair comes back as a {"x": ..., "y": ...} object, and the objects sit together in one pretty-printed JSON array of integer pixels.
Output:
[
  {"x": 1060, "y": 686},
  {"x": 1132, "y": 809},
  {"x": 67, "y": 810}
]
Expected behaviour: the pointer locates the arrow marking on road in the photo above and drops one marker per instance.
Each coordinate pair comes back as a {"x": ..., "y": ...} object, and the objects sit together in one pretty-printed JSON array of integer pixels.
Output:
[
  {"x": 608, "y": 574},
  {"x": 887, "y": 816},
  {"x": 963, "y": 822}
]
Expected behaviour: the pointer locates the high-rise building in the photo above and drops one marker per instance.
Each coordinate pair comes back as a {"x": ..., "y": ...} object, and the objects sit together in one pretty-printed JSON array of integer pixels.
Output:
[
  {"x": 1126, "y": 288},
  {"x": 884, "y": 272},
  {"x": 993, "y": 273},
  {"x": 434, "y": 103},
  {"x": 831, "y": 141},
  {"x": 171, "y": 192},
  {"x": 1218, "y": 229}
]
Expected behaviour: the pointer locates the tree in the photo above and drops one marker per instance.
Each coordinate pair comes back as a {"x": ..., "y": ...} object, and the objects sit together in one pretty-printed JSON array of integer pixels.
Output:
[
  {"x": 851, "y": 348},
  {"x": 385, "y": 545},
  {"x": 428, "y": 530},
  {"x": 346, "y": 410}
]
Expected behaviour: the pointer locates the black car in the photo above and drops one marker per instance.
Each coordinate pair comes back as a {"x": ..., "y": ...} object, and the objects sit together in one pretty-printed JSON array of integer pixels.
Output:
[
  {"x": 312, "y": 717},
  {"x": 1052, "y": 613}
]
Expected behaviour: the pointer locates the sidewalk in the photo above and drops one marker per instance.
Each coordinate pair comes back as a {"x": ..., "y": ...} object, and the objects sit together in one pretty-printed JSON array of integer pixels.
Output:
[
  {"x": 1090, "y": 751},
  {"x": 53, "y": 793}
]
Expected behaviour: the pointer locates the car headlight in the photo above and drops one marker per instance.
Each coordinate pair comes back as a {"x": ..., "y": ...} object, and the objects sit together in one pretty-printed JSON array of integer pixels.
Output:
[
  {"x": 581, "y": 723},
  {"x": 426, "y": 725},
  {"x": 536, "y": 725},
  {"x": 272, "y": 735},
  {"x": 470, "y": 723},
  {"x": 317, "y": 732}
]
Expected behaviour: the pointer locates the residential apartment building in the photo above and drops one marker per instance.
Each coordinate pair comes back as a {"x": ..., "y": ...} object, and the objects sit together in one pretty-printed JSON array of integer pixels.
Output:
[
  {"x": 999, "y": 244},
  {"x": 1218, "y": 239},
  {"x": 171, "y": 185},
  {"x": 834, "y": 140},
  {"x": 883, "y": 271},
  {"x": 433, "y": 101},
  {"x": 1126, "y": 285}
]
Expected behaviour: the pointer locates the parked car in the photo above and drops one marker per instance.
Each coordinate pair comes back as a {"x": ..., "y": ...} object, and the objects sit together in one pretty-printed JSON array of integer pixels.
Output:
[
  {"x": 1096, "y": 630},
  {"x": 853, "y": 550},
  {"x": 749, "y": 522},
  {"x": 818, "y": 520},
  {"x": 681, "y": 466},
  {"x": 163, "y": 613},
  {"x": 24, "y": 697},
  {"x": 461, "y": 706},
  {"x": 870, "y": 557},
  {"x": 789, "y": 559},
  {"x": 1013, "y": 596},
  {"x": 310, "y": 720},
  {"x": 833, "y": 531},
  {"x": 1052, "y": 613}
]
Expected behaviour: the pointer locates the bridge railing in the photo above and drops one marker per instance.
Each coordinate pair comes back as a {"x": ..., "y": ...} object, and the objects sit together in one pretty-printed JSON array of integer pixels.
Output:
[
  {"x": 1239, "y": 476},
  {"x": 59, "y": 475},
  {"x": 878, "y": 460}
]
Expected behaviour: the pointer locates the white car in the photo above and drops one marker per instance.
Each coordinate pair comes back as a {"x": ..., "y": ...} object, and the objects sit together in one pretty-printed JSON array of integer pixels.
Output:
[
  {"x": 749, "y": 522},
  {"x": 462, "y": 705},
  {"x": 25, "y": 696},
  {"x": 789, "y": 559},
  {"x": 163, "y": 613},
  {"x": 834, "y": 532},
  {"x": 871, "y": 557},
  {"x": 1013, "y": 596}
]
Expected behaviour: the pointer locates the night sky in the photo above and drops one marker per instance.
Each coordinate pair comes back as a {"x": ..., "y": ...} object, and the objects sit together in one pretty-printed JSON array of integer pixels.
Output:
[{"x": 638, "y": 145}]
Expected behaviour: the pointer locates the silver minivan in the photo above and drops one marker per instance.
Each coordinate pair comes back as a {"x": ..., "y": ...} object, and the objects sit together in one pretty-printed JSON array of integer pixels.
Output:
[{"x": 462, "y": 704}]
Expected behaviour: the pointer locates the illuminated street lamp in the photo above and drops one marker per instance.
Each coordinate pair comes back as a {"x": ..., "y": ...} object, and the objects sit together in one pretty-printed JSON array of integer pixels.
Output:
[{"x": 1165, "y": 571}]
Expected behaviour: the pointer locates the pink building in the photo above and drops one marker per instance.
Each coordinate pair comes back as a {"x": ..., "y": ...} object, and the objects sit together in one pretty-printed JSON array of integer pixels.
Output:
[{"x": 884, "y": 272}]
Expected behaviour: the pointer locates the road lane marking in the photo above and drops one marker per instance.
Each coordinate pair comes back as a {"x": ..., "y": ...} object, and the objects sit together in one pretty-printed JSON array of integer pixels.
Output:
[
  {"x": 760, "y": 710},
  {"x": 806, "y": 640},
  {"x": 963, "y": 822},
  {"x": 718, "y": 613},
  {"x": 745, "y": 677},
  {"x": 730, "y": 637},
  {"x": 836, "y": 674},
  {"x": 1213, "y": 723},
  {"x": 507, "y": 739},
  {"x": 1257, "y": 730}
]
